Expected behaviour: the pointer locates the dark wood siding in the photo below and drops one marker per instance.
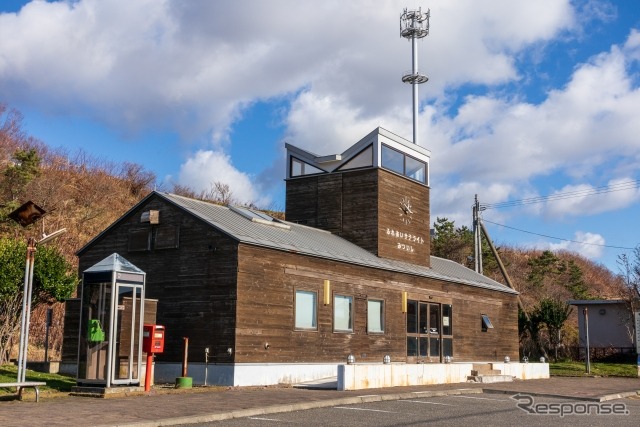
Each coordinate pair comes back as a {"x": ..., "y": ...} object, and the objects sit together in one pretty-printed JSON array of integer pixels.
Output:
[
  {"x": 194, "y": 283},
  {"x": 267, "y": 281},
  {"x": 400, "y": 240},
  {"x": 71, "y": 330},
  {"x": 363, "y": 206}
]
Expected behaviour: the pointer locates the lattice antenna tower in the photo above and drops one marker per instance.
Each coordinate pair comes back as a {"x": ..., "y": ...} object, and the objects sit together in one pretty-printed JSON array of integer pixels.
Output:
[{"x": 414, "y": 25}]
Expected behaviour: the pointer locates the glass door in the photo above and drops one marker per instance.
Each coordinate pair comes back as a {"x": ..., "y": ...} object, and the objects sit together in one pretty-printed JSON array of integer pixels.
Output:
[
  {"x": 424, "y": 330},
  {"x": 127, "y": 329}
]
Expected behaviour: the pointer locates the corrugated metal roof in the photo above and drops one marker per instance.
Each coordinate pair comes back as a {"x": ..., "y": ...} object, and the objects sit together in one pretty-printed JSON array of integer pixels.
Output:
[{"x": 319, "y": 243}]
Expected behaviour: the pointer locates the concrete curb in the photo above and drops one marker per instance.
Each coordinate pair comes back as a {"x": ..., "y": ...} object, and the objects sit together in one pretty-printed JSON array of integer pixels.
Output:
[
  {"x": 274, "y": 409},
  {"x": 603, "y": 398}
]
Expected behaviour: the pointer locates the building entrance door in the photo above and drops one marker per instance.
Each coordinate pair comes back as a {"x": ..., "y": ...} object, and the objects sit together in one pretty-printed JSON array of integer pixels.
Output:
[{"x": 429, "y": 330}]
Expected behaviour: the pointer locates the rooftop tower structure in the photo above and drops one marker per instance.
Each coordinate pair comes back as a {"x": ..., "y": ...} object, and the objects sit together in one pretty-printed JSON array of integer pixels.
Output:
[{"x": 414, "y": 25}]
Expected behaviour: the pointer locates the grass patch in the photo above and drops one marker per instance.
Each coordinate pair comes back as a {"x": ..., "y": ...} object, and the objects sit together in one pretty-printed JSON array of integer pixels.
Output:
[
  {"x": 577, "y": 369},
  {"x": 55, "y": 382}
]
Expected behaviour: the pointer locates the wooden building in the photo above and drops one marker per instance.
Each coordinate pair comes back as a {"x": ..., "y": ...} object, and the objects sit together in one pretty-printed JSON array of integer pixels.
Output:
[{"x": 348, "y": 273}]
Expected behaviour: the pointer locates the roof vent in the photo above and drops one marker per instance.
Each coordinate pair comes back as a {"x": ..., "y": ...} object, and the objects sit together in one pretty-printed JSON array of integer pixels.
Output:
[{"x": 152, "y": 217}]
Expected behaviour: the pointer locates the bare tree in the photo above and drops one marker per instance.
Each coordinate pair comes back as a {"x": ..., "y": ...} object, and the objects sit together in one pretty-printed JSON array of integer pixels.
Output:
[{"x": 629, "y": 267}]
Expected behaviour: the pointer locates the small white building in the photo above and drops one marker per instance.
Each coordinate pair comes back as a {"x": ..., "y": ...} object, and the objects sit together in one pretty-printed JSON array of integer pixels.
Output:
[{"x": 611, "y": 327}]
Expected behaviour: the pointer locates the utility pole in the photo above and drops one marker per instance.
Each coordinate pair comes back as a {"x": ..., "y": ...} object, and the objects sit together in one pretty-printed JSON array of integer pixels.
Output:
[{"x": 477, "y": 239}]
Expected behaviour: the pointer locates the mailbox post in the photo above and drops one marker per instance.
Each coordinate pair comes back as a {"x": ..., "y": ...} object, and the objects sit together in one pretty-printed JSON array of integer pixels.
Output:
[{"x": 152, "y": 343}]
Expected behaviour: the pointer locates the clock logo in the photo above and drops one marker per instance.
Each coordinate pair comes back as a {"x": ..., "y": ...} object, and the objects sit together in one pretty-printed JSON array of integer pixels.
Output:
[{"x": 406, "y": 212}]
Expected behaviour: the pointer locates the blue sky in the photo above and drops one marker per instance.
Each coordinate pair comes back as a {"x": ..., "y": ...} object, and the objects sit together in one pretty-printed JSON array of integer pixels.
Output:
[{"x": 525, "y": 99}]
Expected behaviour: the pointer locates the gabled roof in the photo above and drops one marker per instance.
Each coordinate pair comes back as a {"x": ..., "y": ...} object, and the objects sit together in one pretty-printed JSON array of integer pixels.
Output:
[{"x": 300, "y": 239}]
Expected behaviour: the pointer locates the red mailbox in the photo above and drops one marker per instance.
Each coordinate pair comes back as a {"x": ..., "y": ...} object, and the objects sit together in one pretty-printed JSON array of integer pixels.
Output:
[{"x": 153, "y": 339}]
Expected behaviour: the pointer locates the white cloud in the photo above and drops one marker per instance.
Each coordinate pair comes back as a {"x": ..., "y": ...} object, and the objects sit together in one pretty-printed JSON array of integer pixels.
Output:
[
  {"x": 207, "y": 167},
  {"x": 590, "y": 245},
  {"x": 193, "y": 66},
  {"x": 586, "y": 131},
  {"x": 588, "y": 200}
]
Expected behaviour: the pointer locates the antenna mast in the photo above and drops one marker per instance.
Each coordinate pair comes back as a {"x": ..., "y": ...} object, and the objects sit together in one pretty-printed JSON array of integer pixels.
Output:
[{"x": 414, "y": 25}]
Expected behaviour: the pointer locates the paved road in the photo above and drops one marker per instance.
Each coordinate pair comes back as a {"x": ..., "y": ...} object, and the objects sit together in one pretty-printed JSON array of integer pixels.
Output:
[{"x": 461, "y": 410}]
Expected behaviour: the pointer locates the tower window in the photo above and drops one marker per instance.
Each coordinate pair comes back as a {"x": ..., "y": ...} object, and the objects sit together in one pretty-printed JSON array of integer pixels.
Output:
[
  {"x": 300, "y": 168},
  {"x": 403, "y": 164}
]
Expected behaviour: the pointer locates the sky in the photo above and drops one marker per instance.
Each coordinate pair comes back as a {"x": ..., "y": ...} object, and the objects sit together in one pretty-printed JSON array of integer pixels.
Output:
[{"x": 525, "y": 99}]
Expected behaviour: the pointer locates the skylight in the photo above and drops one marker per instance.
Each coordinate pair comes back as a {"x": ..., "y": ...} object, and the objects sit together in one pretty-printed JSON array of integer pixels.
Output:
[{"x": 259, "y": 217}]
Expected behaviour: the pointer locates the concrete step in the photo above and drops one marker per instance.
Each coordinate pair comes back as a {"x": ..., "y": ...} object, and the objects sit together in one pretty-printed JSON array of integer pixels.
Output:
[
  {"x": 484, "y": 369},
  {"x": 487, "y": 379},
  {"x": 475, "y": 372}
]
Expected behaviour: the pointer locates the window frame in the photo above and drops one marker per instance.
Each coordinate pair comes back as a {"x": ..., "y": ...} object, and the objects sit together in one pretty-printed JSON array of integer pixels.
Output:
[
  {"x": 485, "y": 323},
  {"x": 295, "y": 310},
  {"x": 404, "y": 164},
  {"x": 303, "y": 164},
  {"x": 383, "y": 313},
  {"x": 351, "y": 313}
]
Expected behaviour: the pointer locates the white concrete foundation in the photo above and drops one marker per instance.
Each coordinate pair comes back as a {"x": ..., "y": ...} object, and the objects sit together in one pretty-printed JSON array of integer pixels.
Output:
[
  {"x": 523, "y": 371},
  {"x": 365, "y": 376},
  {"x": 246, "y": 374}
]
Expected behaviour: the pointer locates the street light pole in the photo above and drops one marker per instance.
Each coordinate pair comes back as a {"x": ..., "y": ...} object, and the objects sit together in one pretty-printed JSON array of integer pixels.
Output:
[
  {"x": 26, "y": 215},
  {"x": 26, "y": 309}
]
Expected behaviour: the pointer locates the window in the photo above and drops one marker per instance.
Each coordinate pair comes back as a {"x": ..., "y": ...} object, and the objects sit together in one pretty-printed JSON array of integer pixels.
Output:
[
  {"x": 342, "y": 313},
  {"x": 299, "y": 168},
  {"x": 140, "y": 240},
  {"x": 447, "y": 330},
  {"x": 392, "y": 160},
  {"x": 361, "y": 160},
  {"x": 306, "y": 310},
  {"x": 405, "y": 165},
  {"x": 375, "y": 316},
  {"x": 486, "y": 323},
  {"x": 167, "y": 237},
  {"x": 415, "y": 169}
]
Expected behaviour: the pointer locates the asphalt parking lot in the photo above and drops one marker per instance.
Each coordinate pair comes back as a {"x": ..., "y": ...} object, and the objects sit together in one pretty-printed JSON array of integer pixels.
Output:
[{"x": 458, "y": 410}]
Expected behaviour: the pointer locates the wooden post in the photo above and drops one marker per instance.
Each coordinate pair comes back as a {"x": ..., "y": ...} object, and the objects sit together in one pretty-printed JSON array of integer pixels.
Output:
[{"x": 185, "y": 354}]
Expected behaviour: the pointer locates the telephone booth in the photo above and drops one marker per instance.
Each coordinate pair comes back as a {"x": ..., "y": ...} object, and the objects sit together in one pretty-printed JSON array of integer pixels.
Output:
[{"x": 111, "y": 321}]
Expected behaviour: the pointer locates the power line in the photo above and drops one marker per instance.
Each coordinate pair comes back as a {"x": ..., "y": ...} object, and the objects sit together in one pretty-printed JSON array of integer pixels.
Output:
[
  {"x": 621, "y": 186},
  {"x": 557, "y": 238}
]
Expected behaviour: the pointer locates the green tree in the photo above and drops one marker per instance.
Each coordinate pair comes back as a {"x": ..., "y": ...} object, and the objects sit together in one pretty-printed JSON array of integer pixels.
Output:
[
  {"x": 575, "y": 282},
  {"x": 25, "y": 166},
  {"x": 529, "y": 333},
  {"x": 541, "y": 267},
  {"x": 553, "y": 314},
  {"x": 549, "y": 268},
  {"x": 53, "y": 280},
  {"x": 456, "y": 244},
  {"x": 449, "y": 242}
]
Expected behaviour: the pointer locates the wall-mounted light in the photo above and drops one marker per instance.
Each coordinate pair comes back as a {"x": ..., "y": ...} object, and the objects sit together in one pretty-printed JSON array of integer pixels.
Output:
[
  {"x": 404, "y": 301},
  {"x": 351, "y": 359},
  {"x": 386, "y": 359},
  {"x": 327, "y": 292}
]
